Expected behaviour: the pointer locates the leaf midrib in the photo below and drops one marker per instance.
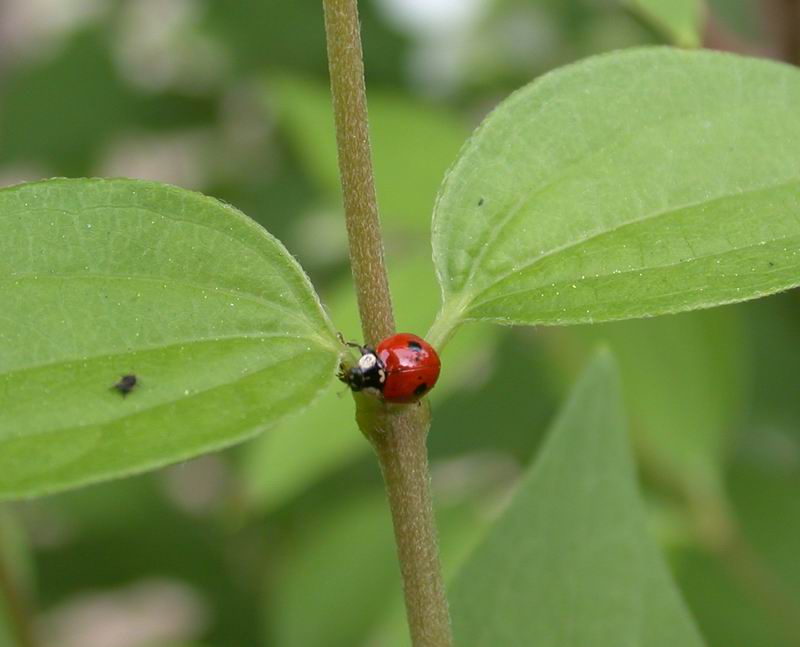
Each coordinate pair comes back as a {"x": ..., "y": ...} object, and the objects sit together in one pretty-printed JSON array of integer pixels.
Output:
[
  {"x": 473, "y": 300},
  {"x": 580, "y": 320}
]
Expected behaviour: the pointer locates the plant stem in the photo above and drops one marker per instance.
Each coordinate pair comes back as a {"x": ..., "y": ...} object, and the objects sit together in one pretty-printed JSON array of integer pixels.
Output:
[
  {"x": 15, "y": 608},
  {"x": 404, "y": 462},
  {"x": 355, "y": 167},
  {"x": 398, "y": 433}
]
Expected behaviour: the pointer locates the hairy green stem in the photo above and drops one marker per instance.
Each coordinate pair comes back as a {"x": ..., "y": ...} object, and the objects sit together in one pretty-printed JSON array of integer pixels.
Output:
[
  {"x": 399, "y": 441},
  {"x": 355, "y": 167},
  {"x": 398, "y": 433}
]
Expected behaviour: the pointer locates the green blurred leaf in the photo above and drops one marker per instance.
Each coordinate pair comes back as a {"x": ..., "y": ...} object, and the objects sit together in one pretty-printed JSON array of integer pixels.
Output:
[
  {"x": 61, "y": 111},
  {"x": 570, "y": 562},
  {"x": 6, "y": 635},
  {"x": 684, "y": 379},
  {"x": 412, "y": 145},
  {"x": 744, "y": 18},
  {"x": 109, "y": 277},
  {"x": 518, "y": 379},
  {"x": 337, "y": 578},
  {"x": 291, "y": 35},
  {"x": 727, "y": 613},
  {"x": 772, "y": 343},
  {"x": 679, "y": 20},
  {"x": 88, "y": 553},
  {"x": 632, "y": 184},
  {"x": 747, "y": 591},
  {"x": 91, "y": 548}
]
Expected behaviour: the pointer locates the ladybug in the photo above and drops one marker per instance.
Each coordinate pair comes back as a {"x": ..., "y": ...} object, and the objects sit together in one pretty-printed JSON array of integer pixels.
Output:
[{"x": 402, "y": 368}]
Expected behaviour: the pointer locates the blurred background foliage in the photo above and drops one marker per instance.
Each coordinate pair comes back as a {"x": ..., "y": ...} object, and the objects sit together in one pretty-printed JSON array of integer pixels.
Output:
[{"x": 286, "y": 540}]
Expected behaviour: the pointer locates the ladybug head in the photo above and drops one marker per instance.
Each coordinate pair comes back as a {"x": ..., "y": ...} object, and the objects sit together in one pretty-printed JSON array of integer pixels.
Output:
[{"x": 368, "y": 373}]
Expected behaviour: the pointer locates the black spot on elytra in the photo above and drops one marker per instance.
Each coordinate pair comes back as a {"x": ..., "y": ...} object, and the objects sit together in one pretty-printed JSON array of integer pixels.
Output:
[
  {"x": 415, "y": 345},
  {"x": 421, "y": 389},
  {"x": 480, "y": 202}
]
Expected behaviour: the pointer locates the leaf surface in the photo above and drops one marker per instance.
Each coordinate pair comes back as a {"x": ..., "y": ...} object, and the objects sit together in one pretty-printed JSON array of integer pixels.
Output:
[
  {"x": 684, "y": 379},
  {"x": 104, "y": 278},
  {"x": 570, "y": 562},
  {"x": 632, "y": 184}
]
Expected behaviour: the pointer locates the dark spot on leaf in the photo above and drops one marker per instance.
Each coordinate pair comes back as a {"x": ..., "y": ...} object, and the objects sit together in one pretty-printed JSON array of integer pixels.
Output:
[
  {"x": 126, "y": 384},
  {"x": 421, "y": 389},
  {"x": 415, "y": 345},
  {"x": 771, "y": 264},
  {"x": 480, "y": 202}
]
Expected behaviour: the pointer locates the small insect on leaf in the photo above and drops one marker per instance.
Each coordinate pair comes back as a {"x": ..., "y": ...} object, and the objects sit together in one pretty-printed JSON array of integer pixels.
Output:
[{"x": 126, "y": 384}]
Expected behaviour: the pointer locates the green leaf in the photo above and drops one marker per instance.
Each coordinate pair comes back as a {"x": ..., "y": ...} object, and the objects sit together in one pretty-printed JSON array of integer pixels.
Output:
[
  {"x": 684, "y": 380},
  {"x": 747, "y": 591},
  {"x": 103, "y": 278},
  {"x": 291, "y": 35},
  {"x": 727, "y": 614},
  {"x": 679, "y": 20},
  {"x": 632, "y": 184},
  {"x": 93, "y": 106},
  {"x": 335, "y": 581},
  {"x": 775, "y": 355},
  {"x": 570, "y": 563}
]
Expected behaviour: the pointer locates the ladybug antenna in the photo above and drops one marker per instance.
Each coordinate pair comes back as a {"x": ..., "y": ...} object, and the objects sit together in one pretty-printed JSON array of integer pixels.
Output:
[
  {"x": 347, "y": 343},
  {"x": 363, "y": 349}
]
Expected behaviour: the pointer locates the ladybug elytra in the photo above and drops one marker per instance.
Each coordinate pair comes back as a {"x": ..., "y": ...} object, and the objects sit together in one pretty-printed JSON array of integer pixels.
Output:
[{"x": 402, "y": 368}]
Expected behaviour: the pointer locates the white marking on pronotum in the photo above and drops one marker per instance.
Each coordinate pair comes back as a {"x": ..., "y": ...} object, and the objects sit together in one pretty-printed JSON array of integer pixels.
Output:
[{"x": 367, "y": 361}]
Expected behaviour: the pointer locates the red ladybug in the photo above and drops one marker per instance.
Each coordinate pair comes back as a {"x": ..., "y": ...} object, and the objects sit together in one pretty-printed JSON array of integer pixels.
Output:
[{"x": 403, "y": 368}]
